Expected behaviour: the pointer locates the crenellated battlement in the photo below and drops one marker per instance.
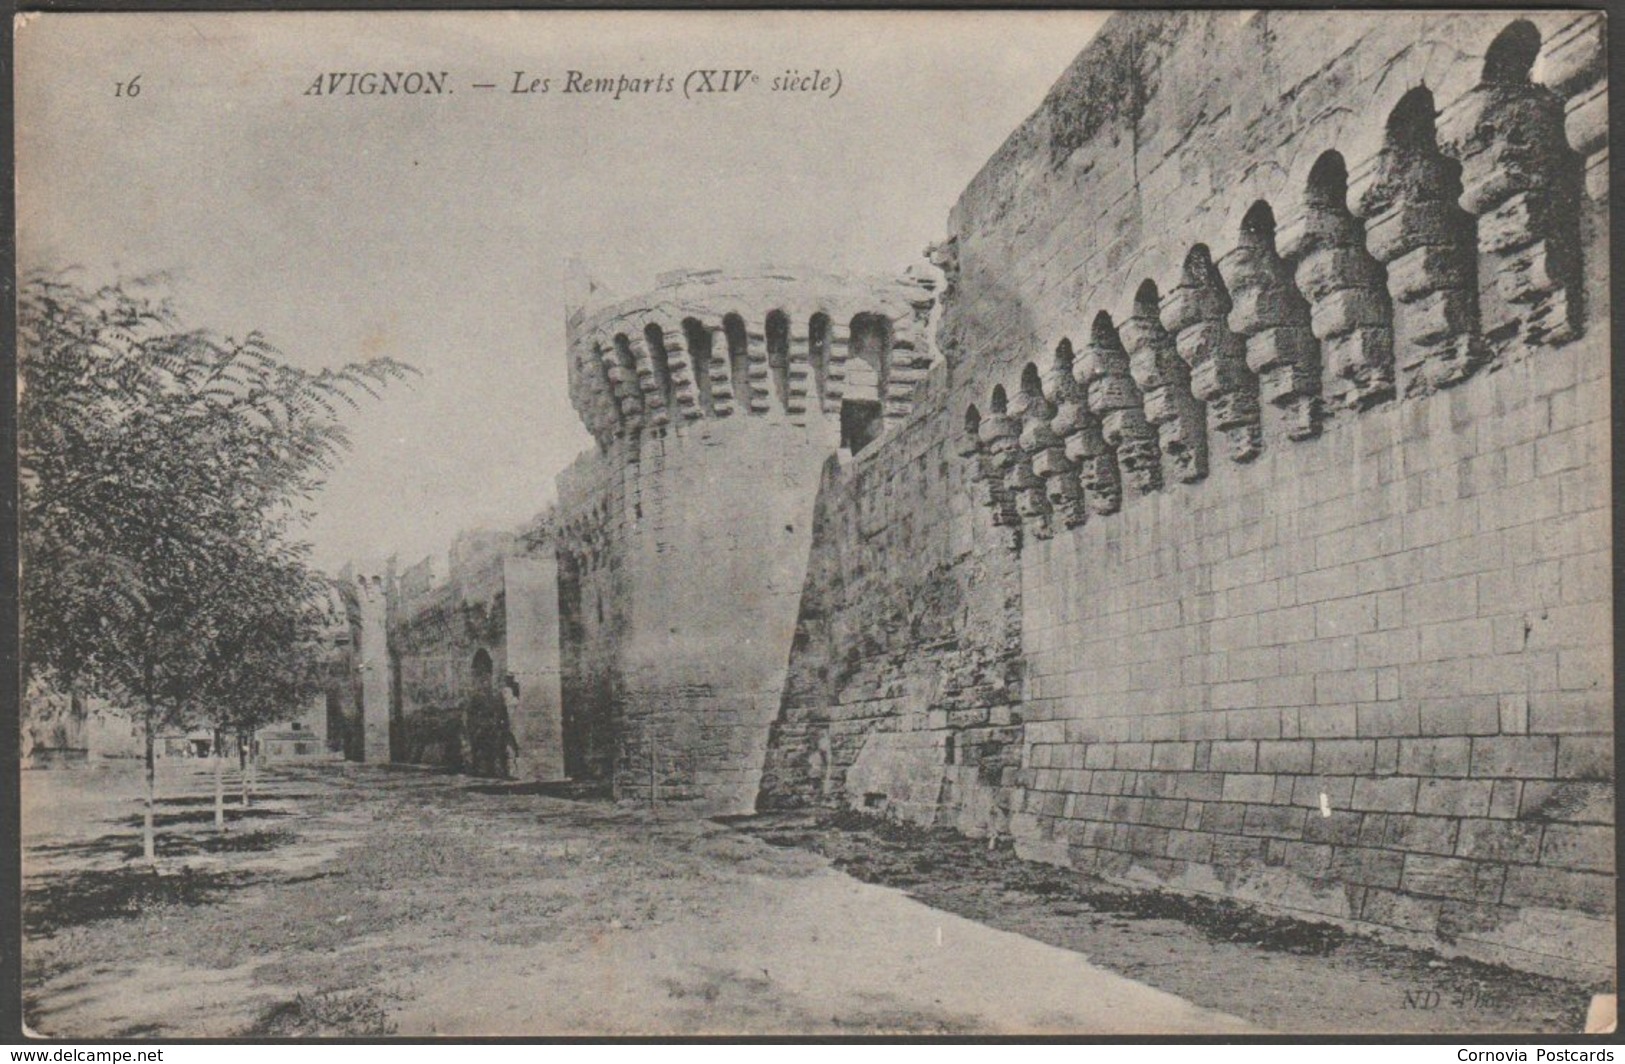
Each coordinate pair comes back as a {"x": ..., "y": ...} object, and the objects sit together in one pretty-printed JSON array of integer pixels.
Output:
[
  {"x": 714, "y": 392},
  {"x": 1431, "y": 236},
  {"x": 706, "y": 345},
  {"x": 1257, "y": 542},
  {"x": 1250, "y": 538}
]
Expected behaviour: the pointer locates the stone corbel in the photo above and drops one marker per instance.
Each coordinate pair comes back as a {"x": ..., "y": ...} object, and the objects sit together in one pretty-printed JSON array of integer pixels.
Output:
[
  {"x": 1272, "y": 317},
  {"x": 1349, "y": 308},
  {"x": 1415, "y": 227},
  {"x": 1034, "y": 413},
  {"x": 1165, "y": 386},
  {"x": 1114, "y": 398},
  {"x": 1195, "y": 311},
  {"x": 1522, "y": 181}
]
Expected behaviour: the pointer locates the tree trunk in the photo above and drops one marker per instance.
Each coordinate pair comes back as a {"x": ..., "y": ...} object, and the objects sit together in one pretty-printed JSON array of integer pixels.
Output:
[
  {"x": 219, "y": 784},
  {"x": 248, "y": 766},
  {"x": 149, "y": 847}
]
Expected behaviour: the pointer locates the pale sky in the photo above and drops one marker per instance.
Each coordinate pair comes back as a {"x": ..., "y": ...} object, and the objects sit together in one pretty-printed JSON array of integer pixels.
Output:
[{"x": 437, "y": 229}]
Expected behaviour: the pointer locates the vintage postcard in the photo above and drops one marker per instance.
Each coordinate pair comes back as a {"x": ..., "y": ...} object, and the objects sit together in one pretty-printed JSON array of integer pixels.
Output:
[{"x": 819, "y": 523}]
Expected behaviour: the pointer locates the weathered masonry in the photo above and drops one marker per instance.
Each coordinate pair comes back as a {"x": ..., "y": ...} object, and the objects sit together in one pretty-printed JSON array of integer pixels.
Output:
[
  {"x": 1232, "y": 515},
  {"x": 487, "y": 634},
  {"x": 719, "y": 402},
  {"x": 1252, "y": 537}
]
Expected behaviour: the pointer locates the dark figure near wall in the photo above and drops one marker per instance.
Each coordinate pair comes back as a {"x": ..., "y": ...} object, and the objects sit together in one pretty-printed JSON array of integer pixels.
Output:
[{"x": 490, "y": 736}]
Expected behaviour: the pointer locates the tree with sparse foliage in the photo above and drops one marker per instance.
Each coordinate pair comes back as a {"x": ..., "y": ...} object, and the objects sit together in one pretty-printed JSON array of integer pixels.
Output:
[
  {"x": 163, "y": 475},
  {"x": 263, "y": 656}
]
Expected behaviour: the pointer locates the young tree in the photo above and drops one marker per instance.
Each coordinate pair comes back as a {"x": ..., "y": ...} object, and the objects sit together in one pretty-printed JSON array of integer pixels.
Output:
[
  {"x": 263, "y": 656},
  {"x": 161, "y": 467}
]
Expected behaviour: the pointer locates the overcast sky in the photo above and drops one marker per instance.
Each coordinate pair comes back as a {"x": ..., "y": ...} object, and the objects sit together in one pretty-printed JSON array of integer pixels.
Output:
[{"x": 437, "y": 229}]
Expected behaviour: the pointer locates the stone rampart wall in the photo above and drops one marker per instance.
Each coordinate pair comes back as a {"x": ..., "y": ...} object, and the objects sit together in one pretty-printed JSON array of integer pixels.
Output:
[{"x": 1278, "y": 368}]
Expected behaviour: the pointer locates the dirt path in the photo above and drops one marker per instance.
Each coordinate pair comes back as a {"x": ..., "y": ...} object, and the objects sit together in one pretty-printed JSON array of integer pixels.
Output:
[
  {"x": 355, "y": 900},
  {"x": 1290, "y": 975}
]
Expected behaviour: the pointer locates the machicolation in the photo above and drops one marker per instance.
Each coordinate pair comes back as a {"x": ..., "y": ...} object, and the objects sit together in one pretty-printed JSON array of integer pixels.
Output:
[{"x": 1228, "y": 513}]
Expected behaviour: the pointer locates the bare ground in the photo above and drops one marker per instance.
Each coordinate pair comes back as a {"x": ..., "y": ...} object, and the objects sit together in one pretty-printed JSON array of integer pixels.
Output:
[
  {"x": 360, "y": 901},
  {"x": 355, "y": 900},
  {"x": 1286, "y": 974}
]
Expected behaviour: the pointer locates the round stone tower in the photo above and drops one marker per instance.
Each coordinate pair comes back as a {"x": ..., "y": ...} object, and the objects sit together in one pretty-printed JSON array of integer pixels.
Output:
[{"x": 716, "y": 400}]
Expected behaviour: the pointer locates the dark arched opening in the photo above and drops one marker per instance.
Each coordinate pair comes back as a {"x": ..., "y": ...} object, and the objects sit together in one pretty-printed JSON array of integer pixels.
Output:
[
  {"x": 778, "y": 355},
  {"x": 1147, "y": 300},
  {"x": 601, "y": 359},
  {"x": 862, "y": 413},
  {"x": 1412, "y": 125},
  {"x": 697, "y": 338},
  {"x": 1102, "y": 331},
  {"x": 1032, "y": 385},
  {"x": 1063, "y": 357},
  {"x": 733, "y": 330},
  {"x": 871, "y": 343},
  {"x": 1258, "y": 224},
  {"x": 631, "y": 389},
  {"x": 1328, "y": 184},
  {"x": 1511, "y": 56},
  {"x": 818, "y": 352},
  {"x": 1200, "y": 272},
  {"x": 654, "y": 338}
]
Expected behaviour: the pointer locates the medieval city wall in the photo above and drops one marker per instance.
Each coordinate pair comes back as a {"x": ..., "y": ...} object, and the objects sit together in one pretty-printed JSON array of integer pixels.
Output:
[
  {"x": 441, "y": 617},
  {"x": 1278, "y": 370},
  {"x": 594, "y": 601},
  {"x": 908, "y": 632},
  {"x": 1367, "y": 677},
  {"x": 489, "y": 623},
  {"x": 531, "y": 600},
  {"x": 1249, "y": 536}
]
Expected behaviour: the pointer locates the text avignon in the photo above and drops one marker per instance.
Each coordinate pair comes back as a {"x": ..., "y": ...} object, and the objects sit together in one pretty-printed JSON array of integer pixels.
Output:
[{"x": 380, "y": 83}]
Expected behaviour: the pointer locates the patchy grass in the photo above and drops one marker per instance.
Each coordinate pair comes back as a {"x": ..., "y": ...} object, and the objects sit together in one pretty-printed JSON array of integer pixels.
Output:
[
  {"x": 573, "y": 790},
  {"x": 1222, "y": 920},
  {"x": 170, "y": 844},
  {"x": 325, "y": 1014},
  {"x": 896, "y": 854},
  {"x": 57, "y": 902},
  {"x": 233, "y": 799},
  {"x": 204, "y": 816},
  {"x": 260, "y": 840},
  {"x": 1140, "y": 932}
]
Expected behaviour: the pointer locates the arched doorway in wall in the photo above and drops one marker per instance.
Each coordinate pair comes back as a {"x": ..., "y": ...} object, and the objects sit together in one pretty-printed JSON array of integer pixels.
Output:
[{"x": 486, "y": 728}]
